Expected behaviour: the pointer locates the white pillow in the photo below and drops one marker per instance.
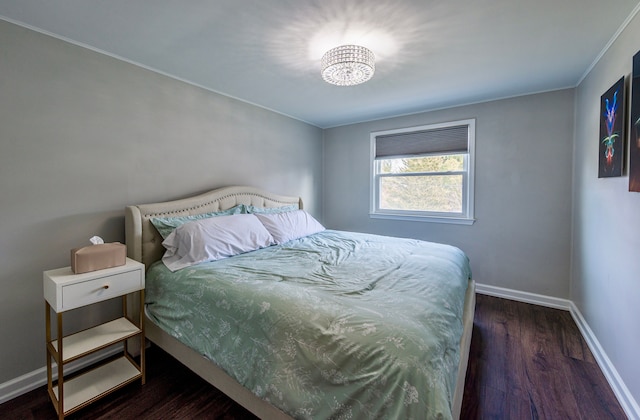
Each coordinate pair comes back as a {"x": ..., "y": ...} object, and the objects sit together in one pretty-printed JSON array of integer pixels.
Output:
[
  {"x": 290, "y": 225},
  {"x": 214, "y": 238}
]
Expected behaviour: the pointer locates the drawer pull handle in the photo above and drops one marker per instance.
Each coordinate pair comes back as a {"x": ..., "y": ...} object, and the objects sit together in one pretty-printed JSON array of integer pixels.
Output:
[{"x": 106, "y": 286}]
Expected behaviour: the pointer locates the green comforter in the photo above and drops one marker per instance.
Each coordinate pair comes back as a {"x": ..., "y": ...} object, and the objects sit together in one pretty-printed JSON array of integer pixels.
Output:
[{"x": 333, "y": 325}]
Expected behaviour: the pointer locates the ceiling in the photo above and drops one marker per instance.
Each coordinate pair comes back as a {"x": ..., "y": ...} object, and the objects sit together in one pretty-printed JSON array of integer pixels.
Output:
[{"x": 430, "y": 54}]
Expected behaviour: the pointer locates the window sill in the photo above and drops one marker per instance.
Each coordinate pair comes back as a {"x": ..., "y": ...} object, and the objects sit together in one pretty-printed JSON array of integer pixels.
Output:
[{"x": 428, "y": 219}]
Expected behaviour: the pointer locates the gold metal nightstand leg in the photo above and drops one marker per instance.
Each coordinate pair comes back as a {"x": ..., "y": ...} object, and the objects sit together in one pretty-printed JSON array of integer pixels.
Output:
[
  {"x": 142, "y": 339},
  {"x": 47, "y": 309},
  {"x": 56, "y": 355},
  {"x": 60, "y": 369}
]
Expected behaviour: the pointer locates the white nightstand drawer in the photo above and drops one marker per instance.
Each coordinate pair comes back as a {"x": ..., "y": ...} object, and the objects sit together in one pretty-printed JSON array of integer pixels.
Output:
[
  {"x": 65, "y": 290},
  {"x": 91, "y": 291}
]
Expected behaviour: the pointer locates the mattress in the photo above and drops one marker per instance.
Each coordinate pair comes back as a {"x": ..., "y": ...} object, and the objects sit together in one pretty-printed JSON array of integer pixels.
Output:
[{"x": 332, "y": 325}]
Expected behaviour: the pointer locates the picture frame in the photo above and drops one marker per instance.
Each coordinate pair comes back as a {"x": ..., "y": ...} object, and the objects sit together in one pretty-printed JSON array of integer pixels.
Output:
[
  {"x": 611, "y": 138},
  {"x": 634, "y": 131}
]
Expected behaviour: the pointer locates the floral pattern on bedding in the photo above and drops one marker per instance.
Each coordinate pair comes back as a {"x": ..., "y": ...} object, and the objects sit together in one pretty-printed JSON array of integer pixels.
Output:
[{"x": 332, "y": 325}]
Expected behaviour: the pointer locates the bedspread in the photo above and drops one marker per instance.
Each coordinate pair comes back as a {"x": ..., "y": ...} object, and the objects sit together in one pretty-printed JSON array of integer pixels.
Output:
[{"x": 333, "y": 325}]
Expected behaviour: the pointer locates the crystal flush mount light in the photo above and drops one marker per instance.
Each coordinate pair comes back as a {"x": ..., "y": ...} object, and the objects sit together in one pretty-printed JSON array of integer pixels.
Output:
[{"x": 348, "y": 65}]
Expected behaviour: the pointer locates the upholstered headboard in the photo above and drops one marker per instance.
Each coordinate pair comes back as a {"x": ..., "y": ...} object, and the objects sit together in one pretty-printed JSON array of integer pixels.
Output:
[{"x": 144, "y": 243}]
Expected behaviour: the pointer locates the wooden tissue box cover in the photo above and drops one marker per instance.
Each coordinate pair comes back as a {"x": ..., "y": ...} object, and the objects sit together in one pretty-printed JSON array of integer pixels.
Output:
[{"x": 98, "y": 257}]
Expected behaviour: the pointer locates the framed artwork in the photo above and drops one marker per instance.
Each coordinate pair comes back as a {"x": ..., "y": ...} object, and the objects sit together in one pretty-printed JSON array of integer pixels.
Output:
[
  {"x": 634, "y": 135},
  {"x": 611, "y": 131}
]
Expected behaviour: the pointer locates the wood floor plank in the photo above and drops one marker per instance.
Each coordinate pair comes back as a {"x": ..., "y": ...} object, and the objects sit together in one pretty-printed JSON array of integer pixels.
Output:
[
  {"x": 574, "y": 345},
  {"x": 525, "y": 362},
  {"x": 590, "y": 393},
  {"x": 542, "y": 366}
]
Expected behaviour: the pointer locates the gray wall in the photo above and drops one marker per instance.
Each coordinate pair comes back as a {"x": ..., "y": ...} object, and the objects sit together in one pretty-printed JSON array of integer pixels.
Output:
[
  {"x": 82, "y": 135},
  {"x": 606, "y": 224},
  {"x": 521, "y": 239}
]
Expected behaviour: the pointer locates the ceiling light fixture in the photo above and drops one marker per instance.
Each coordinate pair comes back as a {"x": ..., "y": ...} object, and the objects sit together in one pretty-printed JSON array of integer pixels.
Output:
[{"x": 348, "y": 65}]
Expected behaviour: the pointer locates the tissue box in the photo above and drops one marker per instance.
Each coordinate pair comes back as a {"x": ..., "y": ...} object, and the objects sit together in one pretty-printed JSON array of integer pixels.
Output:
[{"x": 98, "y": 257}]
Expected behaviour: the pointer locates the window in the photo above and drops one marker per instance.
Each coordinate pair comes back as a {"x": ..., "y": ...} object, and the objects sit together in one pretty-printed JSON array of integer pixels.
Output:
[{"x": 424, "y": 173}]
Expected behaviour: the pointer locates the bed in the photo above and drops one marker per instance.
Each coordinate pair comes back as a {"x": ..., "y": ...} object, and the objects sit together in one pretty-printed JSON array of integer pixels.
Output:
[{"x": 286, "y": 375}]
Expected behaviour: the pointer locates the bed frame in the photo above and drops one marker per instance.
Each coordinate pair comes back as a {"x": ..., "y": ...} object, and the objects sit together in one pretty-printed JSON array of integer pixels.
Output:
[{"x": 144, "y": 244}]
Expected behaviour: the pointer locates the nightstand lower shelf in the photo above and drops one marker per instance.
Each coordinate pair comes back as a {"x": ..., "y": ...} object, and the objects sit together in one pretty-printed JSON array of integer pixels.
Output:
[
  {"x": 83, "y": 389},
  {"x": 100, "y": 336}
]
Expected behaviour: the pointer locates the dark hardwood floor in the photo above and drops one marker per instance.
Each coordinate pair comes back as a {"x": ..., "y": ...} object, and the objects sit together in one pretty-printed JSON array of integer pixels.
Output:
[
  {"x": 531, "y": 362},
  {"x": 526, "y": 362}
]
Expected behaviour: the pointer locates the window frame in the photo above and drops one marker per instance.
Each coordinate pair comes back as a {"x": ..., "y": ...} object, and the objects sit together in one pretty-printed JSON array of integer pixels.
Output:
[{"x": 468, "y": 185}]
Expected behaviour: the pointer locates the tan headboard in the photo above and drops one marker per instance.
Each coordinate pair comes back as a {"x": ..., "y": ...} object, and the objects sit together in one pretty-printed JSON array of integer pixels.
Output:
[{"x": 144, "y": 243}]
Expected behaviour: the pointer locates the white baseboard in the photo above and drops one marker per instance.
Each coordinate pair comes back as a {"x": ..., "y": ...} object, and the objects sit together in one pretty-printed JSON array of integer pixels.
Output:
[
  {"x": 526, "y": 297},
  {"x": 626, "y": 400},
  {"x": 32, "y": 380}
]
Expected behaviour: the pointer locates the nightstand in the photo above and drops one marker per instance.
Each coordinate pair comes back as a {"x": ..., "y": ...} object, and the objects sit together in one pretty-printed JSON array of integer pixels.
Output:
[{"x": 63, "y": 291}]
